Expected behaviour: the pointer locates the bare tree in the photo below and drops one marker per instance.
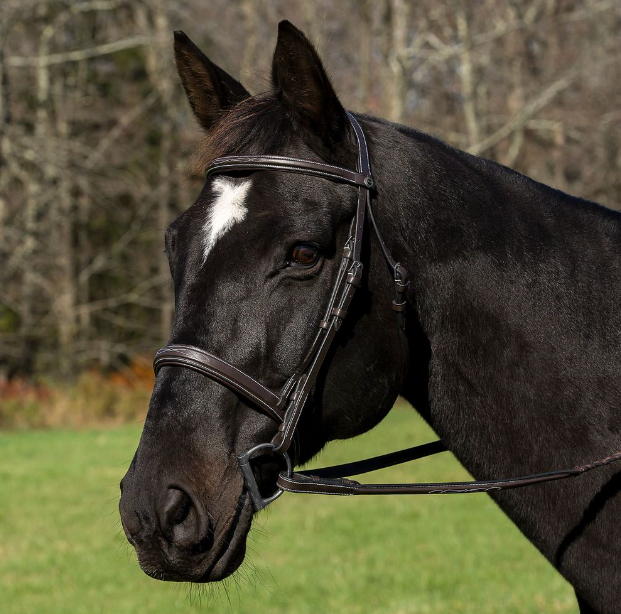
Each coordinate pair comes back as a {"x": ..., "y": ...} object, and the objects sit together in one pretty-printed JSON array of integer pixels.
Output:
[{"x": 95, "y": 135}]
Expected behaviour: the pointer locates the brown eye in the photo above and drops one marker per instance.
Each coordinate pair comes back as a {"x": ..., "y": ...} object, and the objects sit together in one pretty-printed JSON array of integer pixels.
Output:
[{"x": 303, "y": 255}]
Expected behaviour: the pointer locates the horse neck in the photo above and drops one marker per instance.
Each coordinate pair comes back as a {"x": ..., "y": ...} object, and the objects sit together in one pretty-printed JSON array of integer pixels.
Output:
[{"x": 515, "y": 288}]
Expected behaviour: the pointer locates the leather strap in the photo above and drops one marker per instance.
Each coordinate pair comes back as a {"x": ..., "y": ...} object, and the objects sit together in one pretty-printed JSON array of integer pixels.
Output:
[
  {"x": 286, "y": 431},
  {"x": 309, "y": 484},
  {"x": 378, "y": 462},
  {"x": 292, "y": 165},
  {"x": 222, "y": 371},
  {"x": 329, "y": 482},
  {"x": 348, "y": 281},
  {"x": 364, "y": 195}
]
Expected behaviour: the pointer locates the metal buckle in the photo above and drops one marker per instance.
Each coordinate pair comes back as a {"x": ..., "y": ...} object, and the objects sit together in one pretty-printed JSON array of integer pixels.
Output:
[
  {"x": 250, "y": 481},
  {"x": 354, "y": 275},
  {"x": 400, "y": 275}
]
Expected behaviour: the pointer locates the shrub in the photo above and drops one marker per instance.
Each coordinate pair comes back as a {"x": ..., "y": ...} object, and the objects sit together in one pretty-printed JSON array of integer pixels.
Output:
[{"x": 94, "y": 398}]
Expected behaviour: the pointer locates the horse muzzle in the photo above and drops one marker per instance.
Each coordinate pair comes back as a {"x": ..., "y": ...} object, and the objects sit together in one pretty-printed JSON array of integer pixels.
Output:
[{"x": 177, "y": 539}]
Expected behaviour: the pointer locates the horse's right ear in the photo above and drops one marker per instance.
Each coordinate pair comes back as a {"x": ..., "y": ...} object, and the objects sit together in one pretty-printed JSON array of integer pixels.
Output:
[{"x": 210, "y": 89}]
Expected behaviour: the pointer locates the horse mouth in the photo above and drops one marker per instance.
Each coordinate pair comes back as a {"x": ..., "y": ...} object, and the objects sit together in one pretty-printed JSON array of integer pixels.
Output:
[{"x": 232, "y": 550}]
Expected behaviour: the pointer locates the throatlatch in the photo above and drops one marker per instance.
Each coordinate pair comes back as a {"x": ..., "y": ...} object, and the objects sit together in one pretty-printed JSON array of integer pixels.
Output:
[{"x": 286, "y": 407}]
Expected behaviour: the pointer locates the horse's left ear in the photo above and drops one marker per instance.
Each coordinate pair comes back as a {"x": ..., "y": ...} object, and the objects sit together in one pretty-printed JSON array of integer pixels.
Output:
[{"x": 304, "y": 88}]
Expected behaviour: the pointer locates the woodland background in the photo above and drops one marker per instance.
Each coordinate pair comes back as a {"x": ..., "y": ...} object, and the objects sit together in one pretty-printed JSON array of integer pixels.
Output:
[{"x": 95, "y": 138}]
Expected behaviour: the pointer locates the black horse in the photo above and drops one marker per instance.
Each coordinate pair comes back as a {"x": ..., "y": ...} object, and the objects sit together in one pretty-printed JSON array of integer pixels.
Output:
[{"x": 513, "y": 323}]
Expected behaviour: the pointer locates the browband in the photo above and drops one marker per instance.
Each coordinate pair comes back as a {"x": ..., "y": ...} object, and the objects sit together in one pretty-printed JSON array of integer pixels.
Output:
[{"x": 291, "y": 165}]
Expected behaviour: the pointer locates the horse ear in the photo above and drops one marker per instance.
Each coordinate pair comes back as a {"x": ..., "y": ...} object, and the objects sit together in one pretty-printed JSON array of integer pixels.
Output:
[
  {"x": 303, "y": 86},
  {"x": 210, "y": 89}
]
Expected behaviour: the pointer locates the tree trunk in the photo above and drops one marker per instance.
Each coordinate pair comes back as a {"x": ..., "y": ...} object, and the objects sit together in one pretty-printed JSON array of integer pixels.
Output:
[
  {"x": 160, "y": 71},
  {"x": 65, "y": 299},
  {"x": 467, "y": 75},
  {"x": 397, "y": 59}
]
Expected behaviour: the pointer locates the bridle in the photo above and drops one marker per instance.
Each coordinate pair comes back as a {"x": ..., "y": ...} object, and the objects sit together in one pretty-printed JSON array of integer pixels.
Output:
[{"x": 286, "y": 406}]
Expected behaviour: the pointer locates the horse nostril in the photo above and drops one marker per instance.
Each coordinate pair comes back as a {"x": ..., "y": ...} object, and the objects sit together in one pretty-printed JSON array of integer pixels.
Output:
[
  {"x": 177, "y": 507},
  {"x": 185, "y": 522}
]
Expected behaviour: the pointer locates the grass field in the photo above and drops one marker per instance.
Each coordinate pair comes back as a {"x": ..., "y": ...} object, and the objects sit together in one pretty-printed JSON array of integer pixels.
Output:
[{"x": 62, "y": 549}]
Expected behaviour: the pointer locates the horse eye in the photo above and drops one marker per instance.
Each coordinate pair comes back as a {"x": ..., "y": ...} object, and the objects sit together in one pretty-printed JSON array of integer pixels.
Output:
[{"x": 303, "y": 255}]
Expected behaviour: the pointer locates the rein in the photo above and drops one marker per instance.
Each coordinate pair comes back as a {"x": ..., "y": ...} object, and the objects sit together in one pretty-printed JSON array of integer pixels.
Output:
[{"x": 286, "y": 406}]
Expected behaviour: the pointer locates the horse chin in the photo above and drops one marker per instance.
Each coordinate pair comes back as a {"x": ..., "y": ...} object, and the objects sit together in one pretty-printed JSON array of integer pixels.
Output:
[{"x": 228, "y": 563}]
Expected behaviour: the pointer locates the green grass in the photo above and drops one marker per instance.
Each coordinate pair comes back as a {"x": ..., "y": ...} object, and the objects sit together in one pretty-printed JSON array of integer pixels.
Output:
[{"x": 62, "y": 549}]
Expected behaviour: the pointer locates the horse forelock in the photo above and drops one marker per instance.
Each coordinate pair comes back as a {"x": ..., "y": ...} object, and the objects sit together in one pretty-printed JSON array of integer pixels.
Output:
[{"x": 258, "y": 124}]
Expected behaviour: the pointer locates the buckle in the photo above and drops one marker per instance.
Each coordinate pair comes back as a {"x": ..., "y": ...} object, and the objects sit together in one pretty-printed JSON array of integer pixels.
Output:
[
  {"x": 259, "y": 502},
  {"x": 354, "y": 276},
  {"x": 400, "y": 275}
]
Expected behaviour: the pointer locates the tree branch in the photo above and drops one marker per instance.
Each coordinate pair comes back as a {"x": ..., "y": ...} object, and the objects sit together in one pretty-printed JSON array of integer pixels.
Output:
[
  {"x": 80, "y": 54},
  {"x": 530, "y": 109}
]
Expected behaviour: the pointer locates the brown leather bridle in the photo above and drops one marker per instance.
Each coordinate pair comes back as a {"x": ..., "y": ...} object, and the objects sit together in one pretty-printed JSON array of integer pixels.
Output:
[{"x": 286, "y": 407}]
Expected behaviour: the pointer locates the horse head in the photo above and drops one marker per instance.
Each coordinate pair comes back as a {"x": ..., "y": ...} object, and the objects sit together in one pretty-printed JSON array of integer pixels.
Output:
[{"x": 254, "y": 261}]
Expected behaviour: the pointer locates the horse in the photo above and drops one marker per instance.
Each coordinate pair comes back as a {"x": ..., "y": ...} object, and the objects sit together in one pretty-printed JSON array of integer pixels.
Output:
[{"x": 511, "y": 316}]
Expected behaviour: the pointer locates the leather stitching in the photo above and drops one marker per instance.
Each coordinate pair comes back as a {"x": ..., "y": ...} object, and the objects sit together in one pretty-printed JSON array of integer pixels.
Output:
[
  {"x": 228, "y": 364},
  {"x": 235, "y": 385},
  {"x": 215, "y": 163},
  {"x": 352, "y": 179}
]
